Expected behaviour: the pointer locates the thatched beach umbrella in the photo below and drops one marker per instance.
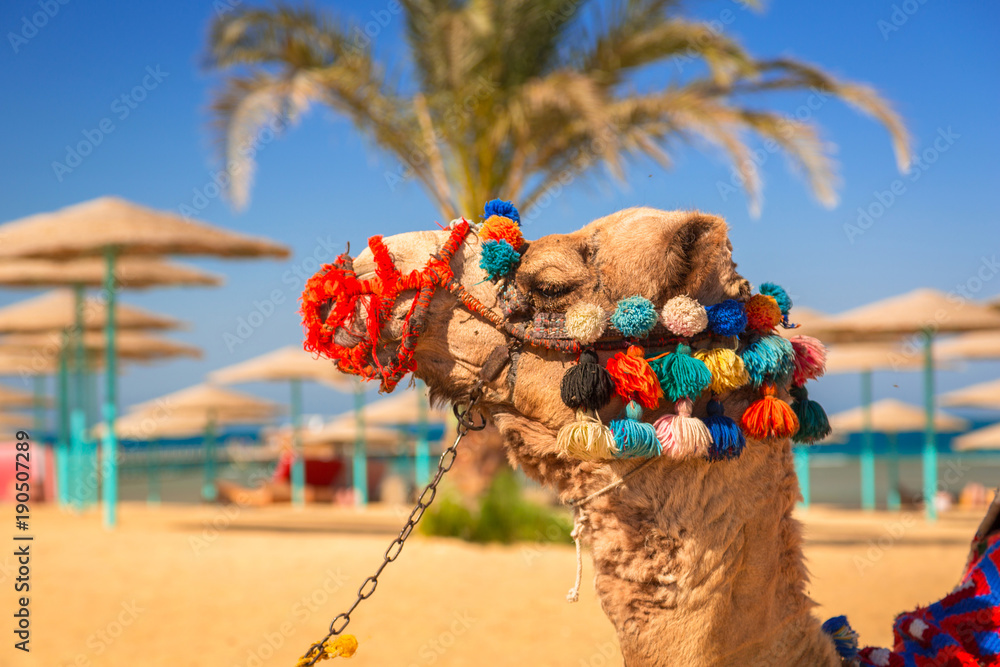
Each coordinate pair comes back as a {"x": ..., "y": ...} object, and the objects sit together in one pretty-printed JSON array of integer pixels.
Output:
[
  {"x": 339, "y": 433},
  {"x": 925, "y": 313},
  {"x": 56, "y": 311},
  {"x": 983, "y": 395},
  {"x": 130, "y": 273},
  {"x": 131, "y": 345},
  {"x": 114, "y": 228},
  {"x": 987, "y": 437},
  {"x": 15, "y": 398},
  {"x": 293, "y": 365},
  {"x": 972, "y": 345}
]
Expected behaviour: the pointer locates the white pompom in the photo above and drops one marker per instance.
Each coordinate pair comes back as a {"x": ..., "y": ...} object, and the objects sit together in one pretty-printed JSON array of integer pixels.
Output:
[
  {"x": 684, "y": 316},
  {"x": 585, "y": 322}
]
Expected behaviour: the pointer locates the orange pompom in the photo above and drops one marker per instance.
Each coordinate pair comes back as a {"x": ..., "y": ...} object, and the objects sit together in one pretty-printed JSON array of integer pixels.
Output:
[
  {"x": 499, "y": 228},
  {"x": 770, "y": 417},
  {"x": 763, "y": 312},
  {"x": 634, "y": 379}
]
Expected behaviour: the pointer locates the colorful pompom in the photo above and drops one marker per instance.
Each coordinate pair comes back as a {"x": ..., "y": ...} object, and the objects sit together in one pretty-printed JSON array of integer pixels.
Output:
[
  {"x": 681, "y": 435},
  {"x": 498, "y": 258},
  {"x": 633, "y": 437},
  {"x": 763, "y": 313},
  {"x": 810, "y": 359},
  {"x": 587, "y": 438},
  {"x": 845, "y": 639},
  {"x": 587, "y": 384},
  {"x": 497, "y": 228},
  {"x": 813, "y": 422},
  {"x": 684, "y": 316},
  {"x": 634, "y": 379},
  {"x": 727, "y": 369},
  {"x": 585, "y": 322},
  {"x": 727, "y": 318},
  {"x": 728, "y": 440},
  {"x": 634, "y": 316},
  {"x": 681, "y": 375},
  {"x": 502, "y": 208},
  {"x": 779, "y": 294},
  {"x": 769, "y": 417},
  {"x": 768, "y": 359}
]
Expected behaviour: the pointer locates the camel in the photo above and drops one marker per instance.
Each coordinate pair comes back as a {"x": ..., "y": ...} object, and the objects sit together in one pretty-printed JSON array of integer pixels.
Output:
[{"x": 698, "y": 562}]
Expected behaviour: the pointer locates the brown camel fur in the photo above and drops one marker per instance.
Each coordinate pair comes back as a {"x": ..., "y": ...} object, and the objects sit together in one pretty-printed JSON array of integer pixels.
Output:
[{"x": 698, "y": 563}]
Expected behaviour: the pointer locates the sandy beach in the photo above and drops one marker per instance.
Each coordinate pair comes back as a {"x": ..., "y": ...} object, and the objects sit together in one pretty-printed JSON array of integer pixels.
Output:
[{"x": 188, "y": 585}]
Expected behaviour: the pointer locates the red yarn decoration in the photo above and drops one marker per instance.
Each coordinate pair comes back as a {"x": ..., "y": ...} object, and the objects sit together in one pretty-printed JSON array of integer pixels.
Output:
[
  {"x": 763, "y": 313},
  {"x": 634, "y": 379},
  {"x": 769, "y": 417}
]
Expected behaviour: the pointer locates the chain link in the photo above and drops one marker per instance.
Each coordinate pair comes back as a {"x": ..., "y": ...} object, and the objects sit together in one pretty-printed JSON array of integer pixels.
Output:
[{"x": 465, "y": 424}]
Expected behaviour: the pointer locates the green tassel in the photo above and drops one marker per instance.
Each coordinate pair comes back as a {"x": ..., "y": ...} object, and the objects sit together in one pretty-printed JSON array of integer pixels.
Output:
[
  {"x": 813, "y": 422},
  {"x": 680, "y": 374}
]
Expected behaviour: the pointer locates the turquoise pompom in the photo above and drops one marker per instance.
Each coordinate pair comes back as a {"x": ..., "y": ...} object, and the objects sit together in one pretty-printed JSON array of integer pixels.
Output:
[
  {"x": 502, "y": 208},
  {"x": 843, "y": 635},
  {"x": 498, "y": 258},
  {"x": 680, "y": 374},
  {"x": 779, "y": 294},
  {"x": 728, "y": 440},
  {"x": 634, "y": 438},
  {"x": 727, "y": 318},
  {"x": 768, "y": 359},
  {"x": 813, "y": 422},
  {"x": 634, "y": 317}
]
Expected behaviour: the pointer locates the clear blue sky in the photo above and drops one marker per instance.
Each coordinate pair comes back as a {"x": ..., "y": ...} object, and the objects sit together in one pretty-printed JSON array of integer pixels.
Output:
[{"x": 320, "y": 181}]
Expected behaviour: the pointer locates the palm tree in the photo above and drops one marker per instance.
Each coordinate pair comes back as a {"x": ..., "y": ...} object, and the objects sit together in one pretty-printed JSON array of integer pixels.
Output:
[{"x": 512, "y": 97}]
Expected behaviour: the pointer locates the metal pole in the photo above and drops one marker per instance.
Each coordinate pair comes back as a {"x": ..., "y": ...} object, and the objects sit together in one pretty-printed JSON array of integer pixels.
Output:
[
  {"x": 93, "y": 417},
  {"x": 801, "y": 453},
  {"x": 423, "y": 453},
  {"x": 208, "y": 490},
  {"x": 867, "y": 444},
  {"x": 78, "y": 416},
  {"x": 109, "y": 443},
  {"x": 62, "y": 443},
  {"x": 360, "y": 458},
  {"x": 930, "y": 438},
  {"x": 298, "y": 463},
  {"x": 153, "y": 472},
  {"x": 892, "y": 496}
]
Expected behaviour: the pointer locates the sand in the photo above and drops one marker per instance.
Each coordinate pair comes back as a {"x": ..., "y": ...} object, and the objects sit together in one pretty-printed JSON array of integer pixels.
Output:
[{"x": 187, "y": 585}]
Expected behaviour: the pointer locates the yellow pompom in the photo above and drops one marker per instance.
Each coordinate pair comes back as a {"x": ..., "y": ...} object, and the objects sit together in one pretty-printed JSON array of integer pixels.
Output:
[
  {"x": 727, "y": 368},
  {"x": 499, "y": 228},
  {"x": 343, "y": 646},
  {"x": 585, "y": 322},
  {"x": 587, "y": 438}
]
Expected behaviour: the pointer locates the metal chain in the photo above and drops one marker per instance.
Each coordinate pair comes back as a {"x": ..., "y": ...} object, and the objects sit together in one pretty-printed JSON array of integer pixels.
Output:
[{"x": 466, "y": 423}]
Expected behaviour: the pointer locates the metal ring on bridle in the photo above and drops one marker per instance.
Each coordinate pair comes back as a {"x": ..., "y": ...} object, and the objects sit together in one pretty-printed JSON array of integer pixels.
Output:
[{"x": 467, "y": 422}]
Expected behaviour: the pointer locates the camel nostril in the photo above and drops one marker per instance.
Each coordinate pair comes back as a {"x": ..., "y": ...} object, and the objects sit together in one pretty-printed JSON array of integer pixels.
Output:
[{"x": 324, "y": 310}]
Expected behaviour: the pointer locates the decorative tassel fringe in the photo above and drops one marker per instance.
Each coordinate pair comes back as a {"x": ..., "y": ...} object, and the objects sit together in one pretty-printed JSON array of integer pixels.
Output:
[
  {"x": 634, "y": 379},
  {"x": 728, "y": 440},
  {"x": 768, "y": 359},
  {"x": 634, "y": 438},
  {"x": 728, "y": 371},
  {"x": 813, "y": 422},
  {"x": 810, "y": 359},
  {"x": 769, "y": 417},
  {"x": 680, "y": 375},
  {"x": 587, "y": 385},
  {"x": 843, "y": 635},
  {"x": 587, "y": 438},
  {"x": 681, "y": 435}
]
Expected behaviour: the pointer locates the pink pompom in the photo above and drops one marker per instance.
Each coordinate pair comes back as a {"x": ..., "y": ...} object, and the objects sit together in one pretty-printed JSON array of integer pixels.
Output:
[
  {"x": 682, "y": 436},
  {"x": 810, "y": 359},
  {"x": 684, "y": 316}
]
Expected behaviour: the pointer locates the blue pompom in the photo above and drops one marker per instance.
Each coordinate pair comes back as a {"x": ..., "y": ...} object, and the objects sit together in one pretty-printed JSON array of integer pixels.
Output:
[
  {"x": 728, "y": 440},
  {"x": 498, "y": 258},
  {"x": 634, "y": 317},
  {"x": 779, "y": 294},
  {"x": 768, "y": 359},
  {"x": 634, "y": 438},
  {"x": 727, "y": 318},
  {"x": 843, "y": 635},
  {"x": 501, "y": 208}
]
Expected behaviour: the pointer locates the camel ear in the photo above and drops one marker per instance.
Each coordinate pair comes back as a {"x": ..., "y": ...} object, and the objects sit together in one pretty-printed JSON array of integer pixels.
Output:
[{"x": 661, "y": 254}]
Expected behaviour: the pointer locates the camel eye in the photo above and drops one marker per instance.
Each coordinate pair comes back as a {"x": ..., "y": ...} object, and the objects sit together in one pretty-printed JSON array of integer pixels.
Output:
[{"x": 553, "y": 291}]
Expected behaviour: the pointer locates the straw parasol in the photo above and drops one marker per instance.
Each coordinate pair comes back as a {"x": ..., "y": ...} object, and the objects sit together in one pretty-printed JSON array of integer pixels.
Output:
[
  {"x": 982, "y": 438},
  {"x": 335, "y": 434},
  {"x": 972, "y": 345},
  {"x": 130, "y": 273},
  {"x": 112, "y": 228},
  {"x": 294, "y": 365},
  {"x": 55, "y": 311},
  {"x": 982, "y": 395},
  {"x": 131, "y": 345},
  {"x": 926, "y": 313},
  {"x": 15, "y": 398}
]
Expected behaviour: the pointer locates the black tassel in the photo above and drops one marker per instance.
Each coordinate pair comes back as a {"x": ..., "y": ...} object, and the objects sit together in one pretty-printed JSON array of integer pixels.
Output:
[{"x": 587, "y": 385}]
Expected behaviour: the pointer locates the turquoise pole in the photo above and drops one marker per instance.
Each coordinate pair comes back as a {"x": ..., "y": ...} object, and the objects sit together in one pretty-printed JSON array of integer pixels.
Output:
[
  {"x": 208, "y": 490},
  {"x": 38, "y": 404},
  {"x": 62, "y": 443},
  {"x": 78, "y": 416},
  {"x": 802, "y": 472},
  {"x": 930, "y": 438},
  {"x": 423, "y": 453},
  {"x": 109, "y": 442},
  {"x": 153, "y": 472},
  {"x": 892, "y": 495},
  {"x": 867, "y": 444},
  {"x": 359, "y": 460},
  {"x": 298, "y": 463}
]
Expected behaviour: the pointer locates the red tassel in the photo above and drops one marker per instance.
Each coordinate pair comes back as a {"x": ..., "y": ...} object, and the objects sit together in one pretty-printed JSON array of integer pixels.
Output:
[
  {"x": 634, "y": 379},
  {"x": 769, "y": 417}
]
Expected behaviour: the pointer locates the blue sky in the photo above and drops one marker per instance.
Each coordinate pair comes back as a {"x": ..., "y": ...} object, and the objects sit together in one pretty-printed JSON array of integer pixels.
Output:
[{"x": 321, "y": 185}]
